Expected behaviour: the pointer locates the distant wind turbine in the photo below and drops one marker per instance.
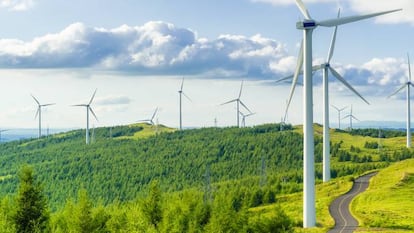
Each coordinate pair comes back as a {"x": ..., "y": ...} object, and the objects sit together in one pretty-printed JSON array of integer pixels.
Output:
[
  {"x": 305, "y": 60},
  {"x": 181, "y": 93},
  {"x": 350, "y": 116},
  {"x": 407, "y": 85},
  {"x": 39, "y": 113},
  {"x": 339, "y": 110},
  {"x": 88, "y": 109},
  {"x": 238, "y": 102},
  {"x": 244, "y": 116},
  {"x": 151, "y": 120}
]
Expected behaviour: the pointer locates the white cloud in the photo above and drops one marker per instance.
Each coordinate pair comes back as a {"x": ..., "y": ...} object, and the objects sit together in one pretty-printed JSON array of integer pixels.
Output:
[
  {"x": 155, "y": 47},
  {"x": 113, "y": 100},
  {"x": 17, "y": 5}
]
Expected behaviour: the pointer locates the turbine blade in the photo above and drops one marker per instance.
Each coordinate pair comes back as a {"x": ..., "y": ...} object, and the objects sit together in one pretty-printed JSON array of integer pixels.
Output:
[
  {"x": 182, "y": 85},
  {"x": 44, "y": 105},
  {"x": 244, "y": 106},
  {"x": 350, "y": 19},
  {"x": 229, "y": 102},
  {"x": 186, "y": 96},
  {"x": 80, "y": 105},
  {"x": 37, "y": 112},
  {"x": 93, "y": 96},
  {"x": 340, "y": 78},
  {"x": 241, "y": 88},
  {"x": 299, "y": 65},
  {"x": 303, "y": 9},
  {"x": 155, "y": 113},
  {"x": 332, "y": 47},
  {"x": 284, "y": 79},
  {"x": 90, "y": 109},
  {"x": 355, "y": 118},
  {"x": 333, "y": 106},
  {"x": 398, "y": 90},
  {"x": 343, "y": 108},
  {"x": 316, "y": 68},
  {"x": 37, "y": 101},
  {"x": 409, "y": 68}
]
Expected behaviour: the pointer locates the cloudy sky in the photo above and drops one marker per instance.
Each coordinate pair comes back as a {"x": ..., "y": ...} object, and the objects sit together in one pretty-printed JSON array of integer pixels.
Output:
[{"x": 135, "y": 53}]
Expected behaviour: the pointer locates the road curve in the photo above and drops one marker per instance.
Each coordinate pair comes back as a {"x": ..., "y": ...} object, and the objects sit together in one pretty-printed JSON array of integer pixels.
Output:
[{"x": 339, "y": 208}]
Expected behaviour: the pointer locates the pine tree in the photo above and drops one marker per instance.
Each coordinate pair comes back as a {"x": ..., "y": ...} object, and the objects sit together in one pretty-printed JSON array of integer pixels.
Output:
[{"x": 31, "y": 214}]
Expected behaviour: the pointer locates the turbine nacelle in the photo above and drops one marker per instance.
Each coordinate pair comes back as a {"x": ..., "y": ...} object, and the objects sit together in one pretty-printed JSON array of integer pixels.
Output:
[{"x": 306, "y": 24}]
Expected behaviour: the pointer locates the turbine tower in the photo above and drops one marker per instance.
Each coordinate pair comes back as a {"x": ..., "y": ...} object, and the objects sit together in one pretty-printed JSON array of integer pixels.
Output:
[
  {"x": 88, "y": 109},
  {"x": 181, "y": 93},
  {"x": 339, "y": 110},
  {"x": 238, "y": 102},
  {"x": 305, "y": 58},
  {"x": 39, "y": 113},
  {"x": 407, "y": 84}
]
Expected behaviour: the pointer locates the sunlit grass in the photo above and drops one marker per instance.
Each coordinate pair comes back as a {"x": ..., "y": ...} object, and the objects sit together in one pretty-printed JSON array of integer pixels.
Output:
[{"x": 388, "y": 202}]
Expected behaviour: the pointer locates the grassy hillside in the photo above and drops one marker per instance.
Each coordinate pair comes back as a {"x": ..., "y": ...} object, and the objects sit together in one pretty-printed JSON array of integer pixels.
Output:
[
  {"x": 388, "y": 203},
  {"x": 250, "y": 167}
]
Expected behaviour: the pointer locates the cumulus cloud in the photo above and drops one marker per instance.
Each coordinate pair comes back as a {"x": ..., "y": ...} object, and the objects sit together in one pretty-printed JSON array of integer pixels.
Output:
[
  {"x": 156, "y": 47},
  {"x": 17, "y": 5}
]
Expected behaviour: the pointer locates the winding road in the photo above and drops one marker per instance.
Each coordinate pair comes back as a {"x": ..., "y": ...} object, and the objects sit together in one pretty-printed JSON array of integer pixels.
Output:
[{"x": 339, "y": 209}]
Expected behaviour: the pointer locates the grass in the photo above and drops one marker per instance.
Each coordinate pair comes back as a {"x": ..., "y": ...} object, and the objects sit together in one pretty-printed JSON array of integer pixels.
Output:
[
  {"x": 148, "y": 131},
  {"x": 388, "y": 203},
  {"x": 292, "y": 205}
]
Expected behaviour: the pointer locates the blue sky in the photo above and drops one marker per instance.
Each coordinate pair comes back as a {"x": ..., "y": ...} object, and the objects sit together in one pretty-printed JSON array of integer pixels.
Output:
[{"x": 136, "y": 53}]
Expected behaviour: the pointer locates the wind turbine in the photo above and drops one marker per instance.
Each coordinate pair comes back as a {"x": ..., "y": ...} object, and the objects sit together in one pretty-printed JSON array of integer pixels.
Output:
[
  {"x": 151, "y": 120},
  {"x": 238, "y": 101},
  {"x": 339, "y": 110},
  {"x": 326, "y": 67},
  {"x": 39, "y": 113},
  {"x": 88, "y": 109},
  {"x": 181, "y": 93},
  {"x": 305, "y": 59},
  {"x": 407, "y": 84},
  {"x": 350, "y": 116},
  {"x": 244, "y": 116}
]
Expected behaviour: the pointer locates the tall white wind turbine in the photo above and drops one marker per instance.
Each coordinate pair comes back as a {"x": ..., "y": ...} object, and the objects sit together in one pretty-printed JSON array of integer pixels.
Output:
[
  {"x": 238, "y": 102},
  {"x": 339, "y": 110},
  {"x": 326, "y": 67},
  {"x": 305, "y": 59},
  {"x": 407, "y": 85},
  {"x": 181, "y": 93},
  {"x": 39, "y": 114},
  {"x": 88, "y": 109}
]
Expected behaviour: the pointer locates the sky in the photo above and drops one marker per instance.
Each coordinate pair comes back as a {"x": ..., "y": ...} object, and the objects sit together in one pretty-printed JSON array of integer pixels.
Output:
[{"x": 136, "y": 53}]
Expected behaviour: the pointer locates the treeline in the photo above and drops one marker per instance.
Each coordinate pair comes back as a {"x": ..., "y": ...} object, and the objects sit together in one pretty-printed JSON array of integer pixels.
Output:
[
  {"x": 187, "y": 211},
  {"x": 377, "y": 133}
]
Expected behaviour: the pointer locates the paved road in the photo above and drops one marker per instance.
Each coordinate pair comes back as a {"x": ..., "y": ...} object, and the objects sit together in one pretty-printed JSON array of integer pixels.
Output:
[{"x": 339, "y": 209}]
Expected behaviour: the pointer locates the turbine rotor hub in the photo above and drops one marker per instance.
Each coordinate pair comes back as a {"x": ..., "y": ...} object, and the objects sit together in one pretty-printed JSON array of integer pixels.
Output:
[{"x": 306, "y": 24}]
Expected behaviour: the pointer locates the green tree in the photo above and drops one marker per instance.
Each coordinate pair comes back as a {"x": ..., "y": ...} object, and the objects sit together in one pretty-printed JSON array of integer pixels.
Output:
[
  {"x": 152, "y": 205},
  {"x": 31, "y": 214}
]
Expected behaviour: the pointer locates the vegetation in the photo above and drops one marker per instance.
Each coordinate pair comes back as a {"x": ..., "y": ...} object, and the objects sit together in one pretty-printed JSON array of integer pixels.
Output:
[
  {"x": 388, "y": 202},
  {"x": 142, "y": 178}
]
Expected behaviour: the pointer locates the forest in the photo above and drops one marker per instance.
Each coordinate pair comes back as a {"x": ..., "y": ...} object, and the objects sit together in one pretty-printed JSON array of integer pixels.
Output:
[{"x": 183, "y": 181}]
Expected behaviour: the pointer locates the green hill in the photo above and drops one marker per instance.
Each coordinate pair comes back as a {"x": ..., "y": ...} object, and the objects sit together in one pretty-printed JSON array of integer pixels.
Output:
[{"x": 248, "y": 167}]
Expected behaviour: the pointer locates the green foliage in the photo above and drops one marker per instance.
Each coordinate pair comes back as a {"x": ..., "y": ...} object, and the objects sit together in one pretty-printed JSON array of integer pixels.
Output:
[
  {"x": 152, "y": 205},
  {"x": 371, "y": 145},
  {"x": 31, "y": 208},
  {"x": 375, "y": 133}
]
